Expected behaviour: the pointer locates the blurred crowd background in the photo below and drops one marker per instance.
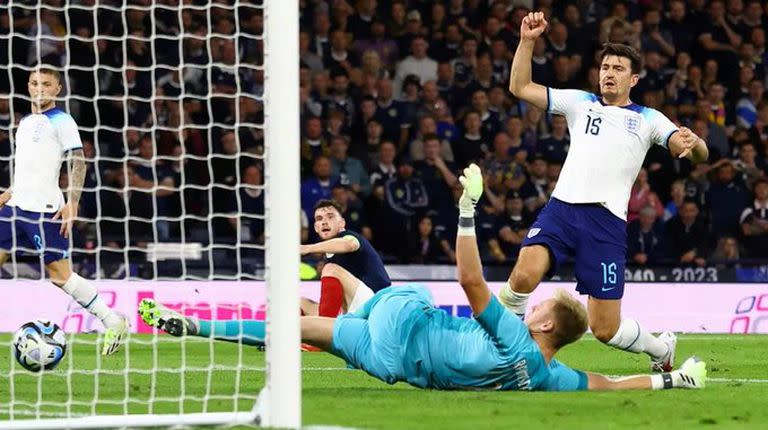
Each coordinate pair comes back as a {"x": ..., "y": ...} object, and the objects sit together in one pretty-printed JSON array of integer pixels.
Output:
[{"x": 397, "y": 97}]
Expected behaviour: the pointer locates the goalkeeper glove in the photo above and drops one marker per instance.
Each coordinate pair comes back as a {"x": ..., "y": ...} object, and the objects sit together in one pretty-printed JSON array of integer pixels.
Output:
[{"x": 472, "y": 181}]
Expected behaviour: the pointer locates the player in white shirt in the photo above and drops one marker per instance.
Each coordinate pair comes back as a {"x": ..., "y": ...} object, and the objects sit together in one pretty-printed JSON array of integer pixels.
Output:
[
  {"x": 33, "y": 214},
  {"x": 586, "y": 217}
]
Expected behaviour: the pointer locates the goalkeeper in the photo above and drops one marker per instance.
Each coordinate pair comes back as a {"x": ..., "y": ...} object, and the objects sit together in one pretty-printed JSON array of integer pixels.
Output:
[{"x": 399, "y": 335}]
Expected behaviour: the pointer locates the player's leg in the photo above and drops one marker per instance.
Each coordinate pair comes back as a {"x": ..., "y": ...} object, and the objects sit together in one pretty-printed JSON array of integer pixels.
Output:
[
  {"x": 55, "y": 249},
  {"x": 6, "y": 233},
  {"x": 627, "y": 334},
  {"x": 600, "y": 264},
  {"x": 338, "y": 290},
  {"x": 317, "y": 331},
  {"x": 532, "y": 264},
  {"x": 85, "y": 294},
  {"x": 308, "y": 307}
]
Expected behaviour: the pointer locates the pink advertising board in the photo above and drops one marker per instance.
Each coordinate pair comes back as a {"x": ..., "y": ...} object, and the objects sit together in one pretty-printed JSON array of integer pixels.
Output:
[{"x": 693, "y": 308}]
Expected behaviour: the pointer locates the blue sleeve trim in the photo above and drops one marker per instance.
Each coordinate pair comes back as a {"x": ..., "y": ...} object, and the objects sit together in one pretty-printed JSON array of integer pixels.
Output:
[
  {"x": 669, "y": 135},
  {"x": 549, "y": 101},
  {"x": 583, "y": 381}
]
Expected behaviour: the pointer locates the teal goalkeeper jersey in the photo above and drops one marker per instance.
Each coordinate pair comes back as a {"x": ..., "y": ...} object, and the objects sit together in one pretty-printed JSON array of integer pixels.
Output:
[
  {"x": 494, "y": 351},
  {"x": 400, "y": 336}
]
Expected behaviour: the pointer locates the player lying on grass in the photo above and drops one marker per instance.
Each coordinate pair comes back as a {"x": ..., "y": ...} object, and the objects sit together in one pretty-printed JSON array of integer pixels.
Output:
[
  {"x": 586, "y": 217},
  {"x": 399, "y": 335},
  {"x": 33, "y": 214},
  {"x": 353, "y": 271}
]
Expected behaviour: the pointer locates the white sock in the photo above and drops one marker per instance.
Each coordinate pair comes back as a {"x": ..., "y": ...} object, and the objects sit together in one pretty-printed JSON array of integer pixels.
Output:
[
  {"x": 634, "y": 338},
  {"x": 515, "y": 302},
  {"x": 85, "y": 294}
]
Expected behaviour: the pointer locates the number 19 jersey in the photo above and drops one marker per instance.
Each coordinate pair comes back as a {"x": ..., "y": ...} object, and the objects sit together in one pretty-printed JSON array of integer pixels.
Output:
[{"x": 607, "y": 148}]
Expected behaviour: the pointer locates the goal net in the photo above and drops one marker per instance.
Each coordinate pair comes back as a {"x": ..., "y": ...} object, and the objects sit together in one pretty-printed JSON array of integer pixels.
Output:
[{"x": 188, "y": 199}]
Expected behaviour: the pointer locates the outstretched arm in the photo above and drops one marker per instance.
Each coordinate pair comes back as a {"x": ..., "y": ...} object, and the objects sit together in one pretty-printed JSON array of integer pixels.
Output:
[
  {"x": 520, "y": 83},
  {"x": 692, "y": 374},
  {"x": 338, "y": 245},
  {"x": 468, "y": 266}
]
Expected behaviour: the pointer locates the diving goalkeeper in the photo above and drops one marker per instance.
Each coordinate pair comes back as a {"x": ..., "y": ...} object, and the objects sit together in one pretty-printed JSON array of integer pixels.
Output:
[{"x": 399, "y": 335}]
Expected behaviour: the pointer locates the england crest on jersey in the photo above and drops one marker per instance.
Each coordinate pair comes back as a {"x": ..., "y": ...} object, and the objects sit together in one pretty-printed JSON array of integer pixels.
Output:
[{"x": 632, "y": 123}]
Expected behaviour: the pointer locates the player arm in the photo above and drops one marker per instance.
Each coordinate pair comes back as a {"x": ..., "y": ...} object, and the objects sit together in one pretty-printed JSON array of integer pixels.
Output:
[
  {"x": 684, "y": 143},
  {"x": 468, "y": 266},
  {"x": 76, "y": 175},
  {"x": 339, "y": 245},
  {"x": 520, "y": 83}
]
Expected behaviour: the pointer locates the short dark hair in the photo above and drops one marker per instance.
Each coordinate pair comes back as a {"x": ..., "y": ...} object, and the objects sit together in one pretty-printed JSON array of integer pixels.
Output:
[
  {"x": 622, "y": 50},
  {"x": 327, "y": 203},
  {"x": 48, "y": 70}
]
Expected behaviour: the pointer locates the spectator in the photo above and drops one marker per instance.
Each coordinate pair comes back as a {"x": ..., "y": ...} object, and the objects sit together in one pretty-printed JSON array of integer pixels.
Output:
[
  {"x": 464, "y": 66},
  {"x": 554, "y": 148},
  {"x": 384, "y": 168},
  {"x": 490, "y": 124},
  {"x": 535, "y": 191},
  {"x": 502, "y": 172},
  {"x": 418, "y": 63},
  {"x": 645, "y": 238},
  {"x": 641, "y": 196},
  {"x": 746, "y": 108},
  {"x": 352, "y": 210},
  {"x": 350, "y": 171},
  {"x": 727, "y": 253},
  {"x": 471, "y": 147},
  {"x": 427, "y": 127},
  {"x": 391, "y": 113},
  {"x": 731, "y": 197},
  {"x": 511, "y": 229},
  {"x": 677, "y": 196},
  {"x": 747, "y": 165},
  {"x": 318, "y": 186},
  {"x": 379, "y": 43},
  {"x": 150, "y": 184},
  {"x": 441, "y": 184},
  {"x": 427, "y": 248},
  {"x": 656, "y": 38},
  {"x": 405, "y": 196},
  {"x": 248, "y": 210},
  {"x": 754, "y": 222},
  {"x": 339, "y": 60},
  {"x": 686, "y": 236},
  {"x": 314, "y": 143},
  {"x": 307, "y": 57}
]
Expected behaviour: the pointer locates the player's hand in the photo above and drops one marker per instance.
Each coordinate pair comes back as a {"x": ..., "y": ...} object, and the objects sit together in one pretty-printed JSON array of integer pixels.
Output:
[
  {"x": 472, "y": 181},
  {"x": 67, "y": 215},
  {"x": 532, "y": 26},
  {"x": 689, "y": 141},
  {"x": 5, "y": 197}
]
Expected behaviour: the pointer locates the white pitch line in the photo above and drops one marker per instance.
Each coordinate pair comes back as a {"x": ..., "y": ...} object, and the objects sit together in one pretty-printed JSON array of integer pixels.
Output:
[
  {"x": 741, "y": 380},
  {"x": 700, "y": 337}
]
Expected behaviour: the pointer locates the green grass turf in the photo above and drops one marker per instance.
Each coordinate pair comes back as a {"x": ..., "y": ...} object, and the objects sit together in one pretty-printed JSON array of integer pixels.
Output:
[{"x": 334, "y": 395}]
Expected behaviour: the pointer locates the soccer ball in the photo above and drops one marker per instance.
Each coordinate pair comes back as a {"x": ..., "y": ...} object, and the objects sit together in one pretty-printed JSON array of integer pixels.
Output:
[{"x": 39, "y": 345}]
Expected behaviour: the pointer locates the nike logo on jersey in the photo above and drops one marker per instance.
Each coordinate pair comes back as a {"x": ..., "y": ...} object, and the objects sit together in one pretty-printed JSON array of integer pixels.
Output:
[
  {"x": 533, "y": 232},
  {"x": 608, "y": 289}
]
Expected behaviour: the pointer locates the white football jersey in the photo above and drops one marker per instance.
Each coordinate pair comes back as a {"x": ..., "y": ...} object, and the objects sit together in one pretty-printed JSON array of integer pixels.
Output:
[
  {"x": 41, "y": 141},
  {"x": 608, "y": 146}
]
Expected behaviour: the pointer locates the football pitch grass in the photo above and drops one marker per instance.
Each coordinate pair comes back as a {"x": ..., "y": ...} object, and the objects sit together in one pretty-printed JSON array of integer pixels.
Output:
[{"x": 736, "y": 395}]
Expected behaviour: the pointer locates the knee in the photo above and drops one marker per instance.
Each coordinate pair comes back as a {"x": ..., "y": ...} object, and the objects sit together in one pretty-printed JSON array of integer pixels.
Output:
[
  {"x": 332, "y": 270},
  {"x": 523, "y": 280},
  {"x": 603, "y": 332}
]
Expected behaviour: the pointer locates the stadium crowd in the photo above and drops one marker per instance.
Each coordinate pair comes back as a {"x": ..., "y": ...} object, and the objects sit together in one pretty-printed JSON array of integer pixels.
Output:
[{"x": 397, "y": 97}]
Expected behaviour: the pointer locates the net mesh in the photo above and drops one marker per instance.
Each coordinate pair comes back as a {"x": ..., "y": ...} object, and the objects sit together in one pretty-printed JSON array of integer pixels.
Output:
[{"x": 167, "y": 96}]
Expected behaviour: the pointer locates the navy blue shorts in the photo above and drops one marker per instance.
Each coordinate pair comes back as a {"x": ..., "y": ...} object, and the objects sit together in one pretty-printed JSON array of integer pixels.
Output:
[
  {"x": 590, "y": 234},
  {"x": 34, "y": 232}
]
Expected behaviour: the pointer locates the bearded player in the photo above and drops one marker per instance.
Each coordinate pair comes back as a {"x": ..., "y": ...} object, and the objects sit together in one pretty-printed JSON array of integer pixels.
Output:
[{"x": 586, "y": 217}]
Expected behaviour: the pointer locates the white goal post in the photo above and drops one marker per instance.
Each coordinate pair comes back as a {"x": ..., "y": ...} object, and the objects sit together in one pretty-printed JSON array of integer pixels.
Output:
[{"x": 279, "y": 403}]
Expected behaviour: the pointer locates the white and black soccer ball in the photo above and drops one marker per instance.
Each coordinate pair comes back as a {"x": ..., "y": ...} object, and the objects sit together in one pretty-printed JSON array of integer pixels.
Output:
[{"x": 39, "y": 345}]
